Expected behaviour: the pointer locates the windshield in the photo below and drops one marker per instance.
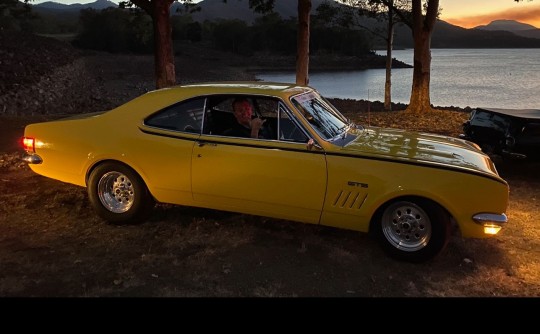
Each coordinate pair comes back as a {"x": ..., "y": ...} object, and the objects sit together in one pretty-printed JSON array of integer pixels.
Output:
[{"x": 322, "y": 116}]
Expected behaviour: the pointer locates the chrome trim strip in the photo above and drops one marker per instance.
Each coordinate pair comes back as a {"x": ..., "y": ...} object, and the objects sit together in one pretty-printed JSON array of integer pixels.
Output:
[
  {"x": 32, "y": 158},
  {"x": 426, "y": 164},
  {"x": 492, "y": 218}
]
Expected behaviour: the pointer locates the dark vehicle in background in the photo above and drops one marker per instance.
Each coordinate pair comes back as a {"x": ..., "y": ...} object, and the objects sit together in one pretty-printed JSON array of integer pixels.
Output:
[{"x": 509, "y": 133}]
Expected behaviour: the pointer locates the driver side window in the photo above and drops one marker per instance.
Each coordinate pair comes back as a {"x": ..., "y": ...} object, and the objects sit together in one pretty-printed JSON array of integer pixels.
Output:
[
  {"x": 221, "y": 120},
  {"x": 288, "y": 129},
  {"x": 234, "y": 115}
]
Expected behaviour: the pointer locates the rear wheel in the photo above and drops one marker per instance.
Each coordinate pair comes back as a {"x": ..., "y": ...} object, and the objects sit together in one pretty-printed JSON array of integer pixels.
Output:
[
  {"x": 413, "y": 230},
  {"x": 118, "y": 194}
]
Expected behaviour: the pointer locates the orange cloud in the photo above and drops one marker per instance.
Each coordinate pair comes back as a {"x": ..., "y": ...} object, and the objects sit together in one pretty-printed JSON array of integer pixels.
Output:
[{"x": 530, "y": 16}]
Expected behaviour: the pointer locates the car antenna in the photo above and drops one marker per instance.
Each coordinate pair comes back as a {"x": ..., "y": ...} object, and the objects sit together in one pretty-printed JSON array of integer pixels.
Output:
[{"x": 368, "y": 109}]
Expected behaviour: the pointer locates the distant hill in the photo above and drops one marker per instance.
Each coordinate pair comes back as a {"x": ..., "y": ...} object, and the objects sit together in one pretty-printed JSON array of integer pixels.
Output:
[
  {"x": 239, "y": 9},
  {"x": 497, "y": 34},
  {"x": 518, "y": 28},
  {"x": 51, "y": 5},
  {"x": 449, "y": 36},
  {"x": 506, "y": 25}
]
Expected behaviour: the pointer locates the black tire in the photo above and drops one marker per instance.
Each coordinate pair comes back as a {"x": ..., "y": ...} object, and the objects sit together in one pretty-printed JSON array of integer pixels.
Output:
[
  {"x": 412, "y": 229},
  {"x": 118, "y": 194}
]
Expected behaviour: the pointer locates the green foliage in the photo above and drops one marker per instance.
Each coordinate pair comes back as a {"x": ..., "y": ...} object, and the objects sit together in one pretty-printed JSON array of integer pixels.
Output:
[
  {"x": 115, "y": 30},
  {"x": 16, "y": 15},
  {"x": 54, "y": 23},
  {"x": 270, "y": 33},
  {"x": 184, "y": 28},
  {"x": 231, "y": 35},
  {"x": 339, "y": 41}
]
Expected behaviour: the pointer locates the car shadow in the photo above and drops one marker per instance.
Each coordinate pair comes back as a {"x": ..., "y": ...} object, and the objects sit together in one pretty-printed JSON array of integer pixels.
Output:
[{"x": 518, "y": 169}]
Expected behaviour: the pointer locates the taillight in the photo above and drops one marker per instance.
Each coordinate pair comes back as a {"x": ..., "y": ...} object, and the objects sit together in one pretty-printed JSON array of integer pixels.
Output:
[{"x": 28, "y": 144}]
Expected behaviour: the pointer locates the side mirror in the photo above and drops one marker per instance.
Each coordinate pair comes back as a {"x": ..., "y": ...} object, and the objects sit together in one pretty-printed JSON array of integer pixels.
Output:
[{"x": 312, "y": 144}]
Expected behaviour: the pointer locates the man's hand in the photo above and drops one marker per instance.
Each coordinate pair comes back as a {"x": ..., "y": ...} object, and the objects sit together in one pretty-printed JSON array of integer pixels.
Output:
[{"x": 256, "y": 125}]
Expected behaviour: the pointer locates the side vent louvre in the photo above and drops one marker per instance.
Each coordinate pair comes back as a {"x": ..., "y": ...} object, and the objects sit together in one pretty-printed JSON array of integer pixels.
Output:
[{"x": 349, "y": 200}]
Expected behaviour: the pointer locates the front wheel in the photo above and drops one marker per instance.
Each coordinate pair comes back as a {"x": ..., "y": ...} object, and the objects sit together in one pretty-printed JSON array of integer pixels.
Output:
[
  {"x": 413, "y": 230},
  {"x": 118, "y": 194}
]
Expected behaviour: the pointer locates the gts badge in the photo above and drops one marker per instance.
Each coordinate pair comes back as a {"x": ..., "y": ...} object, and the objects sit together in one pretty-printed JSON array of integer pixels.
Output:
[{"x": 357, "y": 184}]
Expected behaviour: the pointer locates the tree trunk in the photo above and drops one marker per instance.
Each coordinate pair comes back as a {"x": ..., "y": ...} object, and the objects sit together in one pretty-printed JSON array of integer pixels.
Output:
[
  {"x": 422, "y": 29},
  {"x": 302, "y": 42},
  {"x": 389, "y": 47},
  {"x": 163, "y": 50},
  {"x": 420, "y": 98}
]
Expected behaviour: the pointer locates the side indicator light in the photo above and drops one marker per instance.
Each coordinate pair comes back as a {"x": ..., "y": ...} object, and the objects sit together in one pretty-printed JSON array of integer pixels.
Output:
[{"x": 491, "y": 229}]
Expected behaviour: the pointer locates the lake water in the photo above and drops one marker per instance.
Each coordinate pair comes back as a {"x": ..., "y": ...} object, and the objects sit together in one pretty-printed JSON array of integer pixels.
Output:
[{"x": 503, "y": 78}]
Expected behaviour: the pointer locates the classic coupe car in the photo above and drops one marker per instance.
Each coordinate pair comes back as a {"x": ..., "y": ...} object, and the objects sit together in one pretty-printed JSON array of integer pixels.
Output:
[
  {"x": 312, "y": 165},
  {"x": 509, "y": 133}
]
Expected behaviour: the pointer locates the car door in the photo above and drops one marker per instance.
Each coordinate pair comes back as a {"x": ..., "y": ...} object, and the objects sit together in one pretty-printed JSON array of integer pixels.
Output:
[
  {"x": 276, "y": 177},
  {"x": 166, "y": 150}
]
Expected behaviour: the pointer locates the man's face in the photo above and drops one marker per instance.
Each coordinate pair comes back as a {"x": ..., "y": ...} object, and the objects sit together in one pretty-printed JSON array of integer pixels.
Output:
[{"x": 243, "y": 112}]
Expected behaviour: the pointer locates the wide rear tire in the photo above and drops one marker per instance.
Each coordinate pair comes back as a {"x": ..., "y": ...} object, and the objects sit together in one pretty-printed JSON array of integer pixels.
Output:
[{"x": 118, "y": 194}]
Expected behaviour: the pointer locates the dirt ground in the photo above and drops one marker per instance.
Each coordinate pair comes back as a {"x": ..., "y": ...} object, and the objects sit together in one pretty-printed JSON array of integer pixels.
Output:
[{"x": 53, "y": 245}]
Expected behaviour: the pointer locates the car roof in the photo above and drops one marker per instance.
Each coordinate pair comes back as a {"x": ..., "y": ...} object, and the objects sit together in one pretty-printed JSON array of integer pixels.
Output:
[
  {"x": 523, "y": 113},
  {"x": 161, "y": 98},
  {"x": 244, "y": 87}
]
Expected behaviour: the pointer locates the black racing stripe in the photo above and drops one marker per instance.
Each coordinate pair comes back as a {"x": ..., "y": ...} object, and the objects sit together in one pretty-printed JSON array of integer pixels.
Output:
[
  {"x": 180, "y": 136},
  {"x": 177, "y": 136},
  {"x": 414, "y": 163},
  {"x": 422, "y": 164}
]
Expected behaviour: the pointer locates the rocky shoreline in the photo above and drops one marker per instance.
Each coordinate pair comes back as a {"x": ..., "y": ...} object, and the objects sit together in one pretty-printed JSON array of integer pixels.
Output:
[{"x": 43, "y": 76}]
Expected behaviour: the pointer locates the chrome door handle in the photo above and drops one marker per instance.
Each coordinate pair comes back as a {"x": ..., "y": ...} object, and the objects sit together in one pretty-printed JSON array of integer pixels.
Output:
[{"x": 202, "y": 143}]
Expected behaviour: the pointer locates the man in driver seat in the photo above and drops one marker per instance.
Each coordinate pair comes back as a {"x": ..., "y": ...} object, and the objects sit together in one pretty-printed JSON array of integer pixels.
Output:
[{"x": 245, "y": 126}]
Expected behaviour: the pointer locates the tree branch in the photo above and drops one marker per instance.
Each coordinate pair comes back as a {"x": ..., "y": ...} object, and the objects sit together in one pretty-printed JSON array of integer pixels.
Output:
[
  {"x": 431, "y": 14},
  {"x": 399, "y": 12},
  {"x": 146, "y": 5}
]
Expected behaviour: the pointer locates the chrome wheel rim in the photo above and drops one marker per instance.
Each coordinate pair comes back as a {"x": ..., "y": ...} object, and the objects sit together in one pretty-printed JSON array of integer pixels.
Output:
[
  {"x": 116, "y": 192},
  {"x": 406, "y": 226}
]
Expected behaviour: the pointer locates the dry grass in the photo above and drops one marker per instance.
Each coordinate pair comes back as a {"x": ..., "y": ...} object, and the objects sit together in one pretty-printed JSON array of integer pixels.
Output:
[{"x": 52, "y": 244}]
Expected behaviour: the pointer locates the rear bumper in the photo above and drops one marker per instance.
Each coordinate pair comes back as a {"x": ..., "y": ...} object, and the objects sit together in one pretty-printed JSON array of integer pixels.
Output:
[{"x": 33, "y": 159}]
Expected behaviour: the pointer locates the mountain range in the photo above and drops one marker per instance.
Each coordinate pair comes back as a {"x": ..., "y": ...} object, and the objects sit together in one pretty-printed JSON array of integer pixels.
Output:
[
  {"x": 55, "y": 6},
  {"x": 497, "y": 34},
  {"x": 518, "y": 28}
]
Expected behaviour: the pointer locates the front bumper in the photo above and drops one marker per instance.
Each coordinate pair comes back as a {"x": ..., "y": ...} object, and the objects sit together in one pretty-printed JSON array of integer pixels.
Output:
[{"x": 492, "y": 222}]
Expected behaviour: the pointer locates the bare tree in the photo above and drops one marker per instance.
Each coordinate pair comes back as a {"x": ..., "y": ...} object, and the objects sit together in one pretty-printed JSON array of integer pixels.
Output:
[
  {"x": 160, "y": 11},
  {"x": 302, "y": 42},
  {"x": 422, "y": 29},
  {"x": 422, "y": 19},
  {"x": 353, "y": 12}
]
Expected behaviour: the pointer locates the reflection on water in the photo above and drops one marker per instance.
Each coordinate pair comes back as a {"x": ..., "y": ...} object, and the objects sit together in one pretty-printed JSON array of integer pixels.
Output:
[{"x": 501, "y": 78}]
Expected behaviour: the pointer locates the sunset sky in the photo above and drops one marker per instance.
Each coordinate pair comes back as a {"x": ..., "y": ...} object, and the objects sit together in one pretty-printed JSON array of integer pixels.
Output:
[
  {"x": 471, "y": 13},
  {"x": 464, "y": 13}
]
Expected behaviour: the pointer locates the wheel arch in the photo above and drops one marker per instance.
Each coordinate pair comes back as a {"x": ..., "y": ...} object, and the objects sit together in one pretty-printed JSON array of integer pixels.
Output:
[
  {"x": 416, "y": 243},
  {"x": 101, "y": 162},
  {"x": 375, "y": 218}
]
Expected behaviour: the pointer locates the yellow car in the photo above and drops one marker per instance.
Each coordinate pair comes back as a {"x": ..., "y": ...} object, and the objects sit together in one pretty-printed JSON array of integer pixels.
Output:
[{"x": 298, "y": 159}]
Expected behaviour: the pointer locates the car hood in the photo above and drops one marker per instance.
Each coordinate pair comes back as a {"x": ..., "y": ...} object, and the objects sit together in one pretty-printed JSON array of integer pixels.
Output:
[{"x": 422, "y": 148}]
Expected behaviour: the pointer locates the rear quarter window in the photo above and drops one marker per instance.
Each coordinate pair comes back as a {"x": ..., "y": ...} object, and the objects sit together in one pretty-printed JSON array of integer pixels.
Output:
[{"x": 185, "y": 116}]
